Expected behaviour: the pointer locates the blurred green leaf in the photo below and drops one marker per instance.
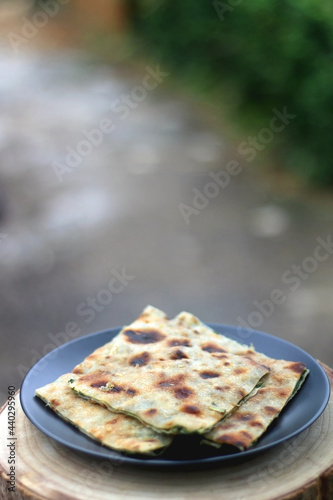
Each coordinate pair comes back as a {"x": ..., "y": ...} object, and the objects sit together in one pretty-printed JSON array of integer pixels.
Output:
[{"x": 273, "y": 53}]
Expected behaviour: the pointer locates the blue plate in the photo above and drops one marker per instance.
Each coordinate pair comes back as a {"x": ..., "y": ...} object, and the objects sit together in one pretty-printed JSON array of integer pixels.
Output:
[{"x": 185, "y": 452}]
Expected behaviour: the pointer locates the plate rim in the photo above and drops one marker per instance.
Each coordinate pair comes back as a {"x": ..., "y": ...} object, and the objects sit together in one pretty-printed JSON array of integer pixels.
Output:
[{"x": 157, "y": 462}]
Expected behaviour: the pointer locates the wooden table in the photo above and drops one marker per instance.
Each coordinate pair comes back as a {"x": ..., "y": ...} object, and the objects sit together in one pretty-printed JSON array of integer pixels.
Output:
[{"x": 301, "y": 469}]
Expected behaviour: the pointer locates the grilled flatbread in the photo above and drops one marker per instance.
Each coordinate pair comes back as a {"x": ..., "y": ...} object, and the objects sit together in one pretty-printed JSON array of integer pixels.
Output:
[
  {"x": 157, "y": 372},
  {"x": 243, "y": 427},
  {"x": 251, "y": 419},
  {"x": 114, "y": 430}
]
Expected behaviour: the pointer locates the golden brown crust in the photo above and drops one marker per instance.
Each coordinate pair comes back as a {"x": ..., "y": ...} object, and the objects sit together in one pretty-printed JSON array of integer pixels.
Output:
[
  {"x": 114, "y": 430},
  {"x": 179, "y": 376},
  {"x": 153, "y": 363},
  {"x": 243, "y": 427}
]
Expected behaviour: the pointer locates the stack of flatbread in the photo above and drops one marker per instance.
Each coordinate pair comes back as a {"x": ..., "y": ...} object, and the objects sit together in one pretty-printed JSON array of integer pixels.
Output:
[{"x": 160, "y": 377}]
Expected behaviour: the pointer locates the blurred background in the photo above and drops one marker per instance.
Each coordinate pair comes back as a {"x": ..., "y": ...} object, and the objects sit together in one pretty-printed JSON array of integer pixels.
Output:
[{"x": 177, "y": 154}]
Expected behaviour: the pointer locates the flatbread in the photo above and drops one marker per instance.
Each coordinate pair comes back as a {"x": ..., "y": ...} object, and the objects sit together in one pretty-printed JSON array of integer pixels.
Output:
[
  {"x": 251, "y": 419},
  {"x": 114, "y": 430},
  {"x": 154, "y": 371},
  {"x": 243, "y": 427}
]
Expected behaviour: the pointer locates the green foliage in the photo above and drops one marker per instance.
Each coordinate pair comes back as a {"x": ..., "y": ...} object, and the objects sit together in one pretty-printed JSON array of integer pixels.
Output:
[{"x": 271, "y": 53}]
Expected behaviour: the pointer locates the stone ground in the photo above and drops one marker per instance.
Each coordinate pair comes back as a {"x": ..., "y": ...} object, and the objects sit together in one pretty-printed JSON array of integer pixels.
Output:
[{"x": 117, "y": 209}]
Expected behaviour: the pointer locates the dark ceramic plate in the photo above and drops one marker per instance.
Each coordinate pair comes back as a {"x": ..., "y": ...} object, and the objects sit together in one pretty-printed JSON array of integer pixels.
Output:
[{"x": 185, "y": 452}]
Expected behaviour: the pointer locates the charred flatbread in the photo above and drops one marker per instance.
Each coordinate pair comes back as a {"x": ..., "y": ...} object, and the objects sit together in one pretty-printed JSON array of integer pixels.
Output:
[
  {"x": 154, "y": 370},
  {"x": 114, "y": 430},
  {"x": 250, "y": 420}
]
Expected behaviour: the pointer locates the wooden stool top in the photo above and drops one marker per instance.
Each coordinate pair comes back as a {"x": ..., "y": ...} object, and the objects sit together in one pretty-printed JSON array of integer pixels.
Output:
[{"x": 301, "y": 468}]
